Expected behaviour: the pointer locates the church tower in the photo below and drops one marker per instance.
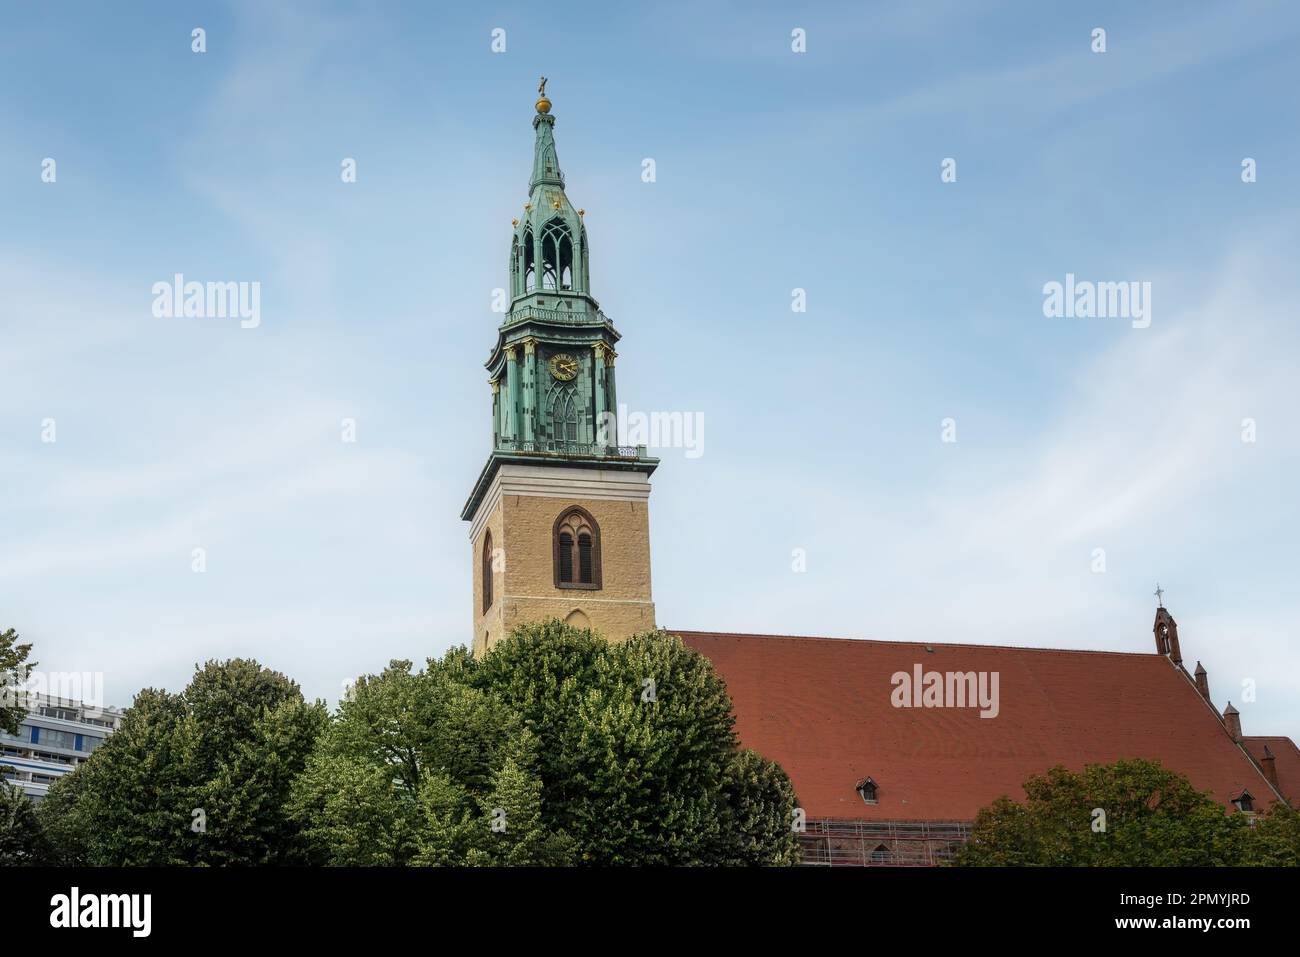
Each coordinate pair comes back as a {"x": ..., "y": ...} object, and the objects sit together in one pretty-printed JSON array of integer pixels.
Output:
[{"x": 559, "y": 518}]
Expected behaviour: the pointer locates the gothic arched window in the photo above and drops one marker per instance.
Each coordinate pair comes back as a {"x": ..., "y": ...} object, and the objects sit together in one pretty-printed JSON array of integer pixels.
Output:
[
  {"x": 516, "y": 263},
  {"x": 583, "y": 267},
  {"x": 881, "y": 855},
  {"x": 487, "y": 571},
  {"x": 557, "y": 256},
  {"x": 576, "y": 546},
  {"x": 530, "y": 262},
  {"x": 564, "y": 414}
]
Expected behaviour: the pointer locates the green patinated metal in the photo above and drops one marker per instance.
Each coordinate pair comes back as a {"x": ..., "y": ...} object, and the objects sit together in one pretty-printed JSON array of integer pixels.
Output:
[{"x": 552, "y": 367}]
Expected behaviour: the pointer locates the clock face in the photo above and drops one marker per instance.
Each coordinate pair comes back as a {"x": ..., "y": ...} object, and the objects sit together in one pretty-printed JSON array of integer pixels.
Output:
[{"x": 563, "y": 366}]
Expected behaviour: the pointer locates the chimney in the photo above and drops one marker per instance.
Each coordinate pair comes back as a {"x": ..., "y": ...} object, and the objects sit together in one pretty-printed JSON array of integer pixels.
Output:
[
  {"x": 1202, "y": 682},
  {"x": 1266, "y": 762},
  {"x": 1232, "y": 718},
  {"x": 1166, "y": 632}
]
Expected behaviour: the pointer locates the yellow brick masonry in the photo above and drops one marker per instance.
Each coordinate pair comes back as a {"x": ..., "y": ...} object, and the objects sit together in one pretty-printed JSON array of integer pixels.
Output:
[{"x": 522, "y": 525}]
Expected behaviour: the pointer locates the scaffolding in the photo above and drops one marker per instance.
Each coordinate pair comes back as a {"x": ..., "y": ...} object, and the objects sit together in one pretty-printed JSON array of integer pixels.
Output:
[{"x": 838, "y": 843}]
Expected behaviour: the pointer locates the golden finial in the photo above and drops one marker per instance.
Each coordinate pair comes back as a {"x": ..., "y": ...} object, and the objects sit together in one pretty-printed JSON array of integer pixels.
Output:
[
  {"x": 514, "y": 222},
  {"x": 582, "y": 212},
  {"x": 528, "y": 206},
  {"x": 543, "y": 104}
]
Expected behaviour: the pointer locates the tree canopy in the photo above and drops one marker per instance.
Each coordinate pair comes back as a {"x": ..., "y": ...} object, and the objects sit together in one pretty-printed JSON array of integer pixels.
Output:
[
  {"x": 200, "y": 777},
  {"x": 557, "y": 747},
  {"x": 23, "y": 842},
  {"x": 1132, "y": 813},
  {"x": 14, "y": 669}
]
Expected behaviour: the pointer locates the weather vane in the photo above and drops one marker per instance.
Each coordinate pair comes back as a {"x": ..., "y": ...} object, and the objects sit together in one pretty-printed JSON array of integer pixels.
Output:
[
  {"x": 1160, "y": 596},
  {"x": 542, "y": 87}
]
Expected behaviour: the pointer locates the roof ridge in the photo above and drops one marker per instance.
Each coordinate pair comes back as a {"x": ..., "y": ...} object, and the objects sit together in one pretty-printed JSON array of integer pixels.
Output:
[
  {"x": 920, "y": 644},
  {"x": 1272, "y": 737}
]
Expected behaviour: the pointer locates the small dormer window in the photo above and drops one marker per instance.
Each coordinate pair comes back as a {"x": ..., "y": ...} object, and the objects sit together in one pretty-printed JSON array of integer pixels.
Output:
[
  {"x": 867, "y": 789},
  {"x": 1244, "y": 803}
]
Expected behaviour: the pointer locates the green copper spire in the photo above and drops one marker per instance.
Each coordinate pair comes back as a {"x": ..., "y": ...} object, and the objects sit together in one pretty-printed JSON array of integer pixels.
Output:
[
  {"x": 549, "y": 253},
  {"x": 546, "y": 164},
  {"x": 554, "y": 397}
]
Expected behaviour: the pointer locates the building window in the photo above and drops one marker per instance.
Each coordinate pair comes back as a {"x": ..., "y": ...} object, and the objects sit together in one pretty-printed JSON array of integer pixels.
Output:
[
  {"x": 487, "y": 571},
  {"x": 867, "y": 789},
  {"x": 60, "y": 739},
  {"x": 584, "y": 558},
  {"x": 564, "y": 414},
  {"x": 566, "y": 558},
  {"x": 530, "y": 262},
  {"x": 881, "y": 855},
  {"x": 576, "y": 546},
  {"x": 516, "y": 287},
  {"x": 1245, "y": 802},
  {"x": 557, "y": 256}
]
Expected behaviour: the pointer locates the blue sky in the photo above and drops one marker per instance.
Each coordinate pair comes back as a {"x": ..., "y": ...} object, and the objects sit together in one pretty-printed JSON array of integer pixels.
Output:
[{"x": 775, "y": 171}]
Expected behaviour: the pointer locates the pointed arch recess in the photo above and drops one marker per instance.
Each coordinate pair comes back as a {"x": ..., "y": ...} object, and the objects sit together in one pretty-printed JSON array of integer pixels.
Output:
[{"x": 575, "y": 547}]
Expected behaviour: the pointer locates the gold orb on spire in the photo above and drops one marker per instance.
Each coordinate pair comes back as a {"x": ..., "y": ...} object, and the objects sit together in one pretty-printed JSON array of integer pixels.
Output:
[{"x": 543, "y": 104}]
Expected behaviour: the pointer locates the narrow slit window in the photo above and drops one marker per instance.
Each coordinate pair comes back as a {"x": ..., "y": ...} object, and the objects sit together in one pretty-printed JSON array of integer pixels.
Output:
[
  {"x": 584, "y": 559},
  {"x": 566, "y": 557},
  {"x": 487, "y": 571}
]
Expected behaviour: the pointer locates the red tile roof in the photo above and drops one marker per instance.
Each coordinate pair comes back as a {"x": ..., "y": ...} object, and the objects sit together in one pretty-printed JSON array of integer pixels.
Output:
[
  {"x": 1286, "y": 762},
  {"x": 821, "y": 708}
]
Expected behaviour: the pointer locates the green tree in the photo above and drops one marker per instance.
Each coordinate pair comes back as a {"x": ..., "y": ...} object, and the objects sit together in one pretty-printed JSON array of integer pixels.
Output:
[
  {"x": 503, "y": 827},
  {"x": 1274, "y": 841},
  {"x": 14, "y": 669},
  {"x": 637, "y": 751},
  {"x": 517, "y": 832},
  {"x": 452, "y": 830},
  {"x": 1153, "y": 817},
  {"x": 63, "y": 816},
  {"x": 23, "y": 842},
  {"x": 397, "y": 775},
  {"x": 351, "y": 814},
  {"x": 202, "y": 777},
  {"x": 577, "y": 750},
  {"x": 761, "y": 803}
]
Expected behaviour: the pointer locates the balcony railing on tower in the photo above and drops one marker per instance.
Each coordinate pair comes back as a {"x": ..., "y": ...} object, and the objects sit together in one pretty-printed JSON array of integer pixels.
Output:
[
  {"x": 565, "y": 317},
  {"x": 547, "y": 447}
]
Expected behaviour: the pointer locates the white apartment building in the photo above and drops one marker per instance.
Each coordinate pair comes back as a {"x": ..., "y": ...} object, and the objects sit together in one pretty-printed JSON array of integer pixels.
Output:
[{"x": 56, "y": 736}]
